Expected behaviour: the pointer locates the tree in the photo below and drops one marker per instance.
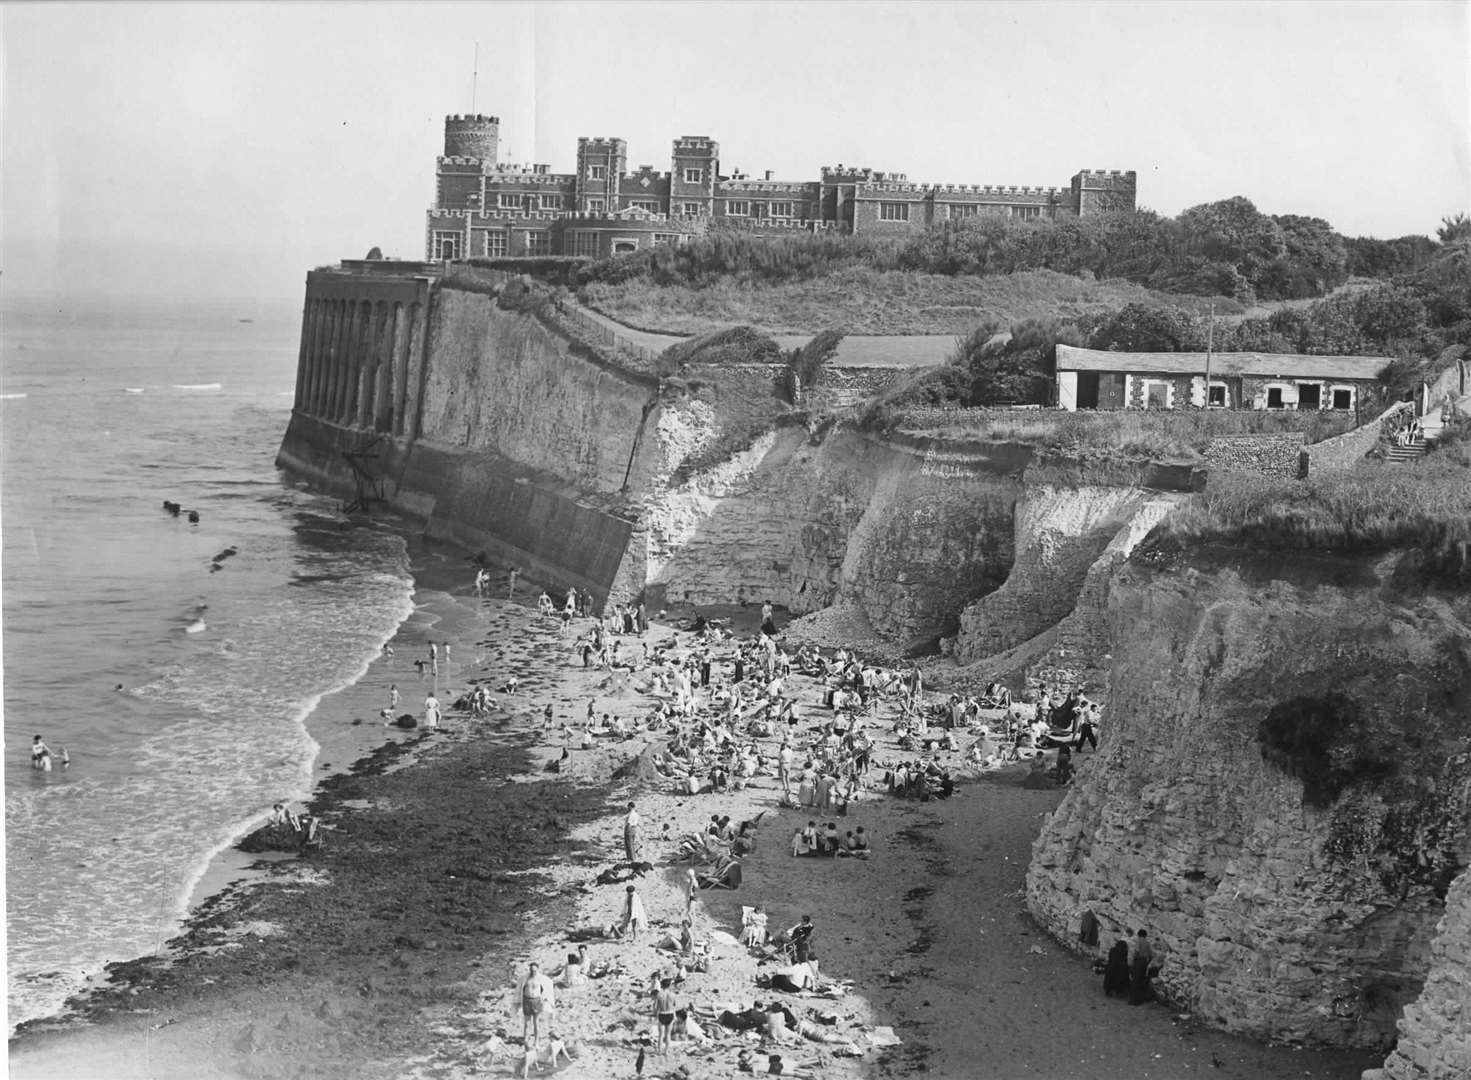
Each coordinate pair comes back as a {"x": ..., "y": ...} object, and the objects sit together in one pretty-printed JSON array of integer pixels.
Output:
[
  {"x": 1146, "y": 328},
  {"x": 1315, "y": 263},
  {"x": 1233, "y": 231},
  {"x": 1453, "y": 229}
]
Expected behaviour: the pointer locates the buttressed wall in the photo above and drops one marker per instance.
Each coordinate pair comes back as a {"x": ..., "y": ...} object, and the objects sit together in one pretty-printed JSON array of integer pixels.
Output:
[{"x": 1282, "y": 794}]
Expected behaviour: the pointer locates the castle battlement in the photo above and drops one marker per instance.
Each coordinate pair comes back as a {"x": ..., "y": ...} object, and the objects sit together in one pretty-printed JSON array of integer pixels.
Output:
[
  {"x": 542, "y": 179},
  {"x": 693, "y": 196}
]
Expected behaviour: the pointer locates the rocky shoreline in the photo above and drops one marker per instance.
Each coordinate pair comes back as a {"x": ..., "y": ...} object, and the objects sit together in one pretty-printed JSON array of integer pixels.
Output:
[{"x": 452, "y": 859}]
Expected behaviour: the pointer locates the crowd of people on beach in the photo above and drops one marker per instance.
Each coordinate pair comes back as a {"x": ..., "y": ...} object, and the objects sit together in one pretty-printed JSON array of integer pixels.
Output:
[{"x": 718, "y": 711}]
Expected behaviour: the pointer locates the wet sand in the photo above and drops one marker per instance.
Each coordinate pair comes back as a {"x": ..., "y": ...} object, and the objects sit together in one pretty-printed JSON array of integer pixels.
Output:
[{"x": 452, "y": 859}]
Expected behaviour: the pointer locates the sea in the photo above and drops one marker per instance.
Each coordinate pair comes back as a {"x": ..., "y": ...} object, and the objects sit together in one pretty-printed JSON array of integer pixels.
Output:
[{"x": 175, "y": 662}]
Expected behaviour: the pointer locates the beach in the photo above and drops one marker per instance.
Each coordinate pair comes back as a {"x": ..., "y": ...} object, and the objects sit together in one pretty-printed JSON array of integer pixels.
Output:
[{"x": 452, "y": 859}]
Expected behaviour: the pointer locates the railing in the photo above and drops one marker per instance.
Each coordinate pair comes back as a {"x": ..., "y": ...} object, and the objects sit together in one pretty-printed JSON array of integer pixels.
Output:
[{"x": 602, "y": 334}]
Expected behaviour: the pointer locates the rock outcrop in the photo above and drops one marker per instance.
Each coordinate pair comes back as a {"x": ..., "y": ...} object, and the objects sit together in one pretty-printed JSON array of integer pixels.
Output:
[{"x": 1284, "y": 793}]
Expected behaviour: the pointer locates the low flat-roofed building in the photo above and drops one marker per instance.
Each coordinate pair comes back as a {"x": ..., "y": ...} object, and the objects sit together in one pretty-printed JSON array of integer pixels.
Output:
[{"x": 1096, "y": 379}]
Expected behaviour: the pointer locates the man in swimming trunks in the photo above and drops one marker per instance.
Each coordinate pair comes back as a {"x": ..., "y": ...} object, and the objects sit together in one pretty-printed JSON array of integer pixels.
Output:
[
  {"x": 40, "y": 754},
  {"x": 664, "y": 1009},
  {"x": 535, "y": 996}
]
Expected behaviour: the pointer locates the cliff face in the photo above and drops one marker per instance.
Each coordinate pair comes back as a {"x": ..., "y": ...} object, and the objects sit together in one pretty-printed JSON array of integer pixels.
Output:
[
  {"x": 1282, "y": 797},
  {"x": 806, "y": 521}
]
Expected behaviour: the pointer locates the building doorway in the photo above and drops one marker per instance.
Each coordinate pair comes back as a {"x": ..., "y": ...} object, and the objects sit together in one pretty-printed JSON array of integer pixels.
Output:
[
  {"x": 1087, "y": 389},
  {"x": 1274, "y": 397},
  {"x": 1156, "y": 395}
]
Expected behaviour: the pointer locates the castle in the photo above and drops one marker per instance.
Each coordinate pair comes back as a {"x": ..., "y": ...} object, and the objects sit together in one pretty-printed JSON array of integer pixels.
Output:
[{"x": 488, "y": 209}]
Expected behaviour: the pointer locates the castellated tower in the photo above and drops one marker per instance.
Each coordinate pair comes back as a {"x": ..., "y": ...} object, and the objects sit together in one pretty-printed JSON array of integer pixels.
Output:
[
  {"x": 601, "y": 163},
  {"x": 473, "y": 136}
]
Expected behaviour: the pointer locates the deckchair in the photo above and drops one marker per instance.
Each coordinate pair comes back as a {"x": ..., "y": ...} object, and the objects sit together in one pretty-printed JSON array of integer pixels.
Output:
[{"x": 727, "y": 875}]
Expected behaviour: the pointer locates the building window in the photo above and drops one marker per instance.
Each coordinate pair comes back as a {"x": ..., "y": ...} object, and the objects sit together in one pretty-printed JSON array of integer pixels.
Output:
[
  {"x": 781, "y": 209},
  {"x": 622, "y": 245},
  {"x": 737, "y": 208},
  {"x": 1343, "y": 399},
  {"x": 495, "y": 244},
  {"x": 509, "y": 202},
  {"x": 666, "y": 238},
  {"x": 1216, "y": 396},
  {"x": 538, "y": 242},
  {"x": 645, "y": 204},
  {"x": 596, "y": 206},
  {"x": 963, "y": 210},
  {"x": 1026, "y": 213},
  {"x": 690, "y": 209},
  {"x": 597, "y": 172},
  {"x": 894, "y": 211},
  {"x": 552, "y": 202},
  {"x": 584, "y": 243},
  {"x": 446, "y": 245},
  {"x": 1274, "y": 397},
  {"x": 694, "y": 176}
]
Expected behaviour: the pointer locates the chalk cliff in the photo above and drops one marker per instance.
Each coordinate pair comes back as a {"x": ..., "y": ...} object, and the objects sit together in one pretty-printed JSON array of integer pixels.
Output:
[
  {"x": 1302, "y": 888},
  {"x": 1283, "y": 797}
]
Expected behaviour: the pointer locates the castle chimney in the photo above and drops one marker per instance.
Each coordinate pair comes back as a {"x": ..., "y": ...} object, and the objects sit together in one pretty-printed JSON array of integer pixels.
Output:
[{"x": 768, "y": 174}]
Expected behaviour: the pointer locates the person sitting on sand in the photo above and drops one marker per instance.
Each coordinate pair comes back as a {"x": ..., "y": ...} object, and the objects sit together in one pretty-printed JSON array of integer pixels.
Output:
[{"x": 857, "y": 843}]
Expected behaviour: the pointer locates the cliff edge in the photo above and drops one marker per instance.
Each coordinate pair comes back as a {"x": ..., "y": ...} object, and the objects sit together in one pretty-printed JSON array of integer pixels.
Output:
[{"x": 1283, "y": 797}]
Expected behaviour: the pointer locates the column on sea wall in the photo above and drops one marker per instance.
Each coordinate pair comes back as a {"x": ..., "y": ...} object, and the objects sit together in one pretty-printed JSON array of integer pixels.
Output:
[
  {"x": 335, "y": 322},
  {"x": 362, "y": 412},
  {"x": 382, "y": 410},
  {"x": 347, "y": 392},
  {"x": 321, "y": 354},
  {"x": 397, "y": 369},
  {"x": 418, "y": 338}
]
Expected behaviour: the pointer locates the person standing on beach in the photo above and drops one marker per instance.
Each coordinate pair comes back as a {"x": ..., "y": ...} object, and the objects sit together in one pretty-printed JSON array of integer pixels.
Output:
[
  {"x": 535, "y": 998},
  {"x": 664, "y": 1010},
  {"x": 1139, "y": 989},
  {"x": 431, "y": 713},
  {"x": 633, "y": 914},
  {"x": 631, "y": 846},
  {"x": 784, "y": 766},
  {"x": 691, "y": 886},
  {"x": 511, "y": 582}
]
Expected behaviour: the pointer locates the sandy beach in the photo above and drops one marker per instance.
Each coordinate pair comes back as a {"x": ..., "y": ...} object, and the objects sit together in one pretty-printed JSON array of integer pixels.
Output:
[{"x": 452, "y": 859}]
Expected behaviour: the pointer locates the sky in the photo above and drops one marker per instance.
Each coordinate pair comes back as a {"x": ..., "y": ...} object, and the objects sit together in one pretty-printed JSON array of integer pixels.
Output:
[{"x": 218, "y": 150}]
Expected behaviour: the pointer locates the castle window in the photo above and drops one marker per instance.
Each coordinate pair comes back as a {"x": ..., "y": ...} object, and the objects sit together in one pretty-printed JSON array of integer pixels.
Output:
[
  {"x": 495, "y": 244},
  {"x": 690, "y": 209},
  {"x": 584, "y": 243},
  {"x": 737, "y": 208},
  {"x": 551, "y": 202},
  {"x": 648, "y": 205},
  {"x": 509, "y": 202},
  {"x": 538, "y": 242},
  {"x": 596, "y": 206},
  {"x": 963, "y": 210},
  {"x": 894, "y": 211},
  {"x": 597, "y": 172},
  {"x": 446, "y": 245},
  {"x": 666, "y": 238},
  {"x": 1026, "y": 213},
  {"x": 781, "y": 209},
  {"x": 694, "y": 176}
]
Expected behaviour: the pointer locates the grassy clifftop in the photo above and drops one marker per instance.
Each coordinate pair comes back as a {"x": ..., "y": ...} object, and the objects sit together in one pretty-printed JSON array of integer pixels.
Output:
[{"x": 869, "y": 301}]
